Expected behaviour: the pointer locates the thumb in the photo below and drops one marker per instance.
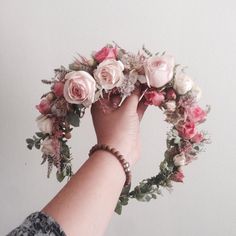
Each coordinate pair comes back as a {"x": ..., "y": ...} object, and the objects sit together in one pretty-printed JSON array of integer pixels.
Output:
[
  {"x": 132, "y": 101},
  {"x": 141, "y": 109}
]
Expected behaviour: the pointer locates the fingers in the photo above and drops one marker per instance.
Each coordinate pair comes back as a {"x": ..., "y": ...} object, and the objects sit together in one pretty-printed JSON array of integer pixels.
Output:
[{"x": 106, "y": 104}]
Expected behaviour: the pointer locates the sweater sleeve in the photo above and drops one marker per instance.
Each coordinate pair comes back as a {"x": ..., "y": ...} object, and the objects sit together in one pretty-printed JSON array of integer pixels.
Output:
[{"x": 38, "y": 223}]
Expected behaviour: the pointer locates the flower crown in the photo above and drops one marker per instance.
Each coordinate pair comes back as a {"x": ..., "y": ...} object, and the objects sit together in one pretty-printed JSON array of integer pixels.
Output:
[{"x": 113, "y": 70}]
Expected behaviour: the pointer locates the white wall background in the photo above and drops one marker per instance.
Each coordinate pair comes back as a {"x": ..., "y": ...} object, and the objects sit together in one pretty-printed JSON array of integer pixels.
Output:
[{"x": 38, "y": 36}]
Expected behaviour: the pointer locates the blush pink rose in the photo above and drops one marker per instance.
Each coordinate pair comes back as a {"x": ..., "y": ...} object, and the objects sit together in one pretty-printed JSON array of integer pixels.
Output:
[
  {"x": 109, "y": 74},
  {"x": 187, "y": 129},
  {"x": 196, "y": 114},
  {"x": 197, "y": 138},
  {"x": 178, "y": 176},
  {"x": 106, "y": 53},
  {"x": 154, "y": 98},
  {"x": 44, "y": 106},
  {"x": 159, "y": 70},
  {"x": 58, "y": 88},
  {"x": 79, "y": 88}
]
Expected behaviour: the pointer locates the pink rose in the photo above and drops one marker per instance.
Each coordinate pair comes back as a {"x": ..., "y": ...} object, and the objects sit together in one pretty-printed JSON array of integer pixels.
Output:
[
  {"x": 106, "y": 53},
  {"x": 79, "y": 88},
  {"x": 178, "y": 176},
  {"x": 154, "y": 98},
  {"x": 196, "y": 114},
  {"x": 159, "y": 70},
  {"x": 187, "y": 129},
  {"x": 44, "y": 106},
  {"x": 197, "y": 138},
  {"x": 58, "y": 88},
  {"x": 109, "y": 74}
]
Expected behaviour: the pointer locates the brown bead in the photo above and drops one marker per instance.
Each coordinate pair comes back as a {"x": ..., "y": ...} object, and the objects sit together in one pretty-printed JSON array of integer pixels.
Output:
[
  {"x": 124, "y": 163},
  {"x": 68, "y": 135}
]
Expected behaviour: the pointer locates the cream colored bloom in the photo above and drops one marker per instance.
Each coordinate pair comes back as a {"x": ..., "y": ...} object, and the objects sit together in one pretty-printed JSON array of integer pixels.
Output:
[
  {"x": 182, "y": 83},
  {"x": 196, "y": 92},
  {"x": 179, "y": 160},
  {"x": 109, "y": 74},
  {"x": 44, "y": 124},
  {"x": 170, "y": 105},
  {"x": 47, "y": 147}
]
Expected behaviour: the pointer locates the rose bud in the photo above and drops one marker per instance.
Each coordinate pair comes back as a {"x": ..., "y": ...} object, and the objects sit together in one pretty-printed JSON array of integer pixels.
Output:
[
  {"x": 154, "y": 98},
  {"x": 68, "y": 135},
  {"x": 58, "y": 88},
  {"x": 44, "y": 106},
  {"x": 50, "y": 97}
]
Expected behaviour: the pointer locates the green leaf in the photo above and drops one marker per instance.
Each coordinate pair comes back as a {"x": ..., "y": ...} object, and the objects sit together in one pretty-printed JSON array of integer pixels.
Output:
[
  {"x": 125, "y": 190},
  {"x": 73, "y": 119},
  {"x": 148, "y": 197},
  {"x": 154, "y": 196},
  {"x": 60, "y": 176},
  {"x": 29, "y": 146},
  {"x": 29, "y": 141},
  {"x": 37, "y": 145},
  {"x": 39, "y": 134},
  {"x": 118, "y": 208}
]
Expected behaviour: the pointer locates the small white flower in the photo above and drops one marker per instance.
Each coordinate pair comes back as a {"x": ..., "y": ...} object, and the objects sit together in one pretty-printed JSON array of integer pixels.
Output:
[
  {"x": 196, "y": 92},
  {"x": 44, "y": 124},
  {"x": 179, "y": 160},
  {"x": 47, "y": 147},
  {"x": 182, "y": 83},
  {"x": 170, "y": 105}
]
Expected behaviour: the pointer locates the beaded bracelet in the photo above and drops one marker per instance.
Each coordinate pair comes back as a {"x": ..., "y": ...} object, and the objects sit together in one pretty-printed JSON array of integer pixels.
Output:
[{"x": 124, "y": 163}]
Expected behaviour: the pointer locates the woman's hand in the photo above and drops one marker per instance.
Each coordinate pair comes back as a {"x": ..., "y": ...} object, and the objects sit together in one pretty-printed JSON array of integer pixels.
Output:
[{"x": 120, "y": 127}]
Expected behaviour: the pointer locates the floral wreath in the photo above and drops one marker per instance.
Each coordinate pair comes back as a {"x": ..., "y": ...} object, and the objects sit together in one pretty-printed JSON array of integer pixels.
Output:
[{"x": 113, "y": 70}]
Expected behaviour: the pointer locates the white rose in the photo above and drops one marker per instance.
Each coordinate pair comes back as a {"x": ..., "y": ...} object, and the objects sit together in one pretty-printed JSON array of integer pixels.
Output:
[
  {"x": 47, "y": 147},
  {"x": 179, "y": 160},
  {"x": 109, "y": 74},
  {"x": 44, "y": 124},
  {"x": 79, "y": 88},
  {"x": 182, "y": 83},
  {"x": 196, "y": 92},
  {"x": 170, "y": 105},
  {"x": 159, "y": 70}
]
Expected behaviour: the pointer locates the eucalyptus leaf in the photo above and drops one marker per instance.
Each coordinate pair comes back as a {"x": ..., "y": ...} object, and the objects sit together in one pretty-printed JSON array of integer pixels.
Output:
[
  {"x": 39, "y": 134},
  {"x": 29, "y": 146},
  {"x": 37, "y": 145},
  {"x": 73, "y": 119},
  {"x": 60, "y": 176},
  {"x": 29, "y": 141},
  {"x": 118, "y": 208},
  {"x": 154, "y": 196}
]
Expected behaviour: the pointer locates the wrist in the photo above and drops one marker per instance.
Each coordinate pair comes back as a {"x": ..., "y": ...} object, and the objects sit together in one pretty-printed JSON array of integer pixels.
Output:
[
  {"x": 109, "y": 160},
  {"x": 121, "y": 146},
  {"x": 118, "y": 156}
]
